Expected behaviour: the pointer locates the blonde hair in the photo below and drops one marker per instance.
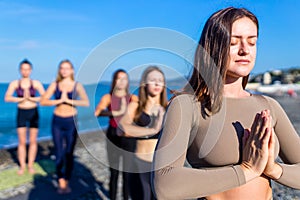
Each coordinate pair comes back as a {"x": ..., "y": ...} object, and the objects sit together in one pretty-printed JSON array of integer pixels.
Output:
[{"x": 59, "y": 76}]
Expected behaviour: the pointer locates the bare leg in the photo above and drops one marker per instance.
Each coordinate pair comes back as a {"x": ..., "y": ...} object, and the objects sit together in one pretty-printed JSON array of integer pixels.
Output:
[
  {"x": 32, "y": 149},
  {"x": 22, "y": 149}
]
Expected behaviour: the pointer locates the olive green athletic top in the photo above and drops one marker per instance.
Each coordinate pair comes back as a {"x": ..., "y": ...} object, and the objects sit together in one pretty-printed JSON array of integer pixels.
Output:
[{"x": 213, "y": 146}]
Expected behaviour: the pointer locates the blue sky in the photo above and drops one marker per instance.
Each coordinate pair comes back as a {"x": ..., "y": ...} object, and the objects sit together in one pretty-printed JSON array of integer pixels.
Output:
[{"x": 46, "y": 32}]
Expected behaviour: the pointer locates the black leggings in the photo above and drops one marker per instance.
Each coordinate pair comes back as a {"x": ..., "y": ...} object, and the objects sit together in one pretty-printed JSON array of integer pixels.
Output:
[
  {"x": 115, "y": 146},
  {"x": 141, "y": 182},
  {"x": 64, "y": 134}
]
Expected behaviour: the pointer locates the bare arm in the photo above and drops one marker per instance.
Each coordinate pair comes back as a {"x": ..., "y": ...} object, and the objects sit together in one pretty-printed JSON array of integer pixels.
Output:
[
  {"x": 46, "y": 101},
  {"x": 134, "y": 98},
  {"x": 101, "y": 109},
  {"x": 128, "y": 126},
  {"x": 10, "y": 91},
  {"x": 122, "y": 109},
  {"x": 83, "y": 101},
  {"x": 102, "y": 105}
]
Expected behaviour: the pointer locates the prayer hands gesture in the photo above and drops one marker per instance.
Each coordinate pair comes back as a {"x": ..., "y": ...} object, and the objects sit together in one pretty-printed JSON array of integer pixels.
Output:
[
  {"x": 258, "y": 145},
  {"x": 64, "y": 97},
  {"x": 123, "y": 107},
  {"x": 26, "y": 94}
]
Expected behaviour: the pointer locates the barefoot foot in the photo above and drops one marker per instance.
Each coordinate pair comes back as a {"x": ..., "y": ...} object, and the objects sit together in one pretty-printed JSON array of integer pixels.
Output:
[
  {"x": 31, "y": 170},
  {"x": 21, "y": 171}
]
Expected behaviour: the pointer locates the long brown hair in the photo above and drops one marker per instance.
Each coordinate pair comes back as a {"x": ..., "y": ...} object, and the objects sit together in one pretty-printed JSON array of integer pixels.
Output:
[
  {"x": 58, "y": 76},
  {"x": 212, "y": 57},
  {"x": 114, "y": 81},
  {"x": 143, "y": 93}
]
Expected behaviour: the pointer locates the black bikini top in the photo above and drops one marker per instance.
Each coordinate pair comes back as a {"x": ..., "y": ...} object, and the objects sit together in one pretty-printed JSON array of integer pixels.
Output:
[{"x": 146, "y": 120}]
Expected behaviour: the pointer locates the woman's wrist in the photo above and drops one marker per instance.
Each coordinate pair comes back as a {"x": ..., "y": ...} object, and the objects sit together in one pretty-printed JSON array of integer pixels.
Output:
[
  {"x": 115, "y": 113},
  {"x": 67, "y": 101},
  {"x": 275, "y": 173},
  {"x": 248, "y": 172},
  {"x": 59, "y": 101},
  {"x": 20, "y": 99},
  {"x": 33, "y": 99}
]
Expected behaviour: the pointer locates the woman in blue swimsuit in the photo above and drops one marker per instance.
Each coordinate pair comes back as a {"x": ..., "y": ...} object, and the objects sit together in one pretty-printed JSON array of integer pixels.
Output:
[
  {"x": 26, "y": 89},
  {"x": 64, "y": 132}
]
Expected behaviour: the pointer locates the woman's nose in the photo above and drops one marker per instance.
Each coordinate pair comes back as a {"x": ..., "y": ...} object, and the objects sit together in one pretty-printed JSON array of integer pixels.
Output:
[{"x": 244, "y": 49}]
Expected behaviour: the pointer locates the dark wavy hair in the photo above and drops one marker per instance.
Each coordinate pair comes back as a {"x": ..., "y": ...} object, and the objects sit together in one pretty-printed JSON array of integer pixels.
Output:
[
  {"x": 212, "y": 58},
  {"x": 114, "y": 80}
]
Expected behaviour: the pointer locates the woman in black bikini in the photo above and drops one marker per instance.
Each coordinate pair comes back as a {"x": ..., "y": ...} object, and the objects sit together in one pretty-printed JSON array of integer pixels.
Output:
[
  {"x": 27, "y": 100},
  {"x": 64, "y": 132},
  {"x": 143, "y": 122}
]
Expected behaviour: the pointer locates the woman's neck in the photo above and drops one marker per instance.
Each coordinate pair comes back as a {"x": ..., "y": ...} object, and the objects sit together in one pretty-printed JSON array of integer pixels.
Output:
[
  {"x": 67, "y": 79},
  {"x": 25, "y": 78},
  {"x": 154, "y": 99},
  {"x": 234, "y": 88},
  {"x": 119, "y": 93}
]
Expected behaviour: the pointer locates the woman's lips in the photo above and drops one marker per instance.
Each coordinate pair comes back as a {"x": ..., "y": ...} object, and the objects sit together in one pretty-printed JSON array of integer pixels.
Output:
[{"x": 243, "y": 61}]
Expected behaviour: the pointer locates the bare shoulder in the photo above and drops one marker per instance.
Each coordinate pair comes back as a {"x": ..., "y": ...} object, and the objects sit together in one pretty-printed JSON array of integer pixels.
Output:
[
  {"x": 36, "y": 83},
  {"x": 52, "y": 86},
  {"x": 12, "y": 86},
  {"x": 79, "y": 86},
  {"x": 134, "y": 98},
  {"x": 14, "y": 83},
  {"x": 133, "y": 105},
  {"x": 106, "y": 97}
]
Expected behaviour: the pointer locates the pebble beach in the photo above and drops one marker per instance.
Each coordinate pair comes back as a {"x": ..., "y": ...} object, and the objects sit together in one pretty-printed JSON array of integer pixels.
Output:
[{"x": 91, "y": 175}]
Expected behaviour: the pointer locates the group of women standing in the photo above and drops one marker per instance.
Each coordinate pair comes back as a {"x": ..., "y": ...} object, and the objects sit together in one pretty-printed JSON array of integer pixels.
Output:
[
  {"x": 133, "y": 132},
  {"x": 67, "y": 95},
  {"x": 229, "y": 136},
  {"x": 146, "y": 111}
]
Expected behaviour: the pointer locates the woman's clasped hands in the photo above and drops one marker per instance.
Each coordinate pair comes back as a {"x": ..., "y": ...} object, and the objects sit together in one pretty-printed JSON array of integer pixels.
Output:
[{"x": 259, "y": 147}]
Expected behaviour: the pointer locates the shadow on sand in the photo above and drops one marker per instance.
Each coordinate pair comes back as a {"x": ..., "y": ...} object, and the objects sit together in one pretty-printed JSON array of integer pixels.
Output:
[{"x": 82, "y": 183}]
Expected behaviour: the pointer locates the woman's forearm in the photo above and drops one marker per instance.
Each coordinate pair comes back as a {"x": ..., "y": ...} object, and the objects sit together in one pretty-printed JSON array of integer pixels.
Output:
[{"x": 14, "y": 99}]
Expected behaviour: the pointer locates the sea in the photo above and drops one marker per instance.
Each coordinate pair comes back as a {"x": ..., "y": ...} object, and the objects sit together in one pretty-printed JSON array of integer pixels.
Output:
[{"x": 86, "y": 120}]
